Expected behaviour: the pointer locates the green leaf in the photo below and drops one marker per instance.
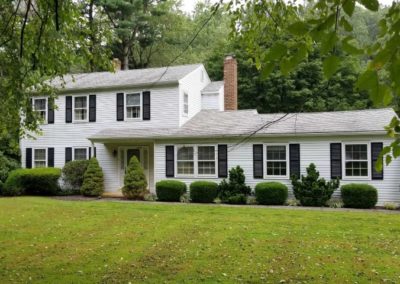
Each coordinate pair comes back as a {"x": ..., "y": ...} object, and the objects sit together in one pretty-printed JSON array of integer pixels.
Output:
[
  {"x": 348, "y": 7},
  {"x": 388, "y": 160},
  {"x": 385, "y": 95},
  {"x": 368, "y": 80},
  {"x": 330, "y": 65},
  {"x": 301, "y": 53},
  {"x": 298, "y": 28},
  {"x": 351, "y": 49},
  {"x": 266, "y": 70},
  {"x": 276, "y": 52},
  {"x": 372, "y": 5},
  {"x": 287, "y": 65},
  {"x": 396, "y": 151},
  {"x": 346, "y": 25},
  {"x": 328, "y": 42}
]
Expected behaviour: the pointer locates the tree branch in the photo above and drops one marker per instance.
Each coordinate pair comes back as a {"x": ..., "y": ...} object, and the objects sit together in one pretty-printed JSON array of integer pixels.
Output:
[{"x": 21, "y": 50}]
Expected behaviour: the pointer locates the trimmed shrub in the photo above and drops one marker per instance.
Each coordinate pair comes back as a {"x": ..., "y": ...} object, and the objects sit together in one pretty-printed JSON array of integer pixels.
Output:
[
  {"x": 135, "y": 182},
  {"x": 312, "y": 190},
  {"x": 93, "y": 181},
  {"x": 6, "y": 166},
  {"x": 237, "y": 199},
  {"x": 73, "y": 173},
  {"x": 39, "y": 181},
  {"x": 236, "y": 185},
  {"x": 203, "y": 191},
  {"x": 271, "y": 193},
  {"x": 170, "y": 190},
  {"x": 359, "y": 195}
]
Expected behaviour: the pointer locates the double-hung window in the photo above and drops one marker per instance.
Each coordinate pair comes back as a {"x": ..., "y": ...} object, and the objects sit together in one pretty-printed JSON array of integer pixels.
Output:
[
  {"x": 206, "y": 160},
  {"x": 185, "y": 104},
  {"x": 80, "y": 108},
  {"x": 277, "y": 163},
  {"x": 40, "y": 107},
  {"x": 196, "y": 160},
  {"x": 185, "y": 160},
  {"x": 133, "y": 106},
  {"x": 356, "y": 160},
  {"x": 40, "y": 158},
  {"x": 80, "y": 153}
]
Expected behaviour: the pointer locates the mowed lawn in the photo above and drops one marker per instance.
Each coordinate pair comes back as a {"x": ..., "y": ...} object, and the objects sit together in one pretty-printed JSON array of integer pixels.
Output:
[{"x": 45, "y": 240}]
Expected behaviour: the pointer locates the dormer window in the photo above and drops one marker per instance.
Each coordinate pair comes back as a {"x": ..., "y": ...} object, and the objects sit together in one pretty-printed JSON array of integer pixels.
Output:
[
  {"x": 81, "y": 108},
  {"x": 133, "y": 106},
  {"x": 40, "y": 107},
  {"x": 185, "y": 104}
]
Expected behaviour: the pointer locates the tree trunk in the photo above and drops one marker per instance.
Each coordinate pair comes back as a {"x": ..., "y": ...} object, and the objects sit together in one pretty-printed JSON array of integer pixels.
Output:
[{"x": 125, "y": 58}]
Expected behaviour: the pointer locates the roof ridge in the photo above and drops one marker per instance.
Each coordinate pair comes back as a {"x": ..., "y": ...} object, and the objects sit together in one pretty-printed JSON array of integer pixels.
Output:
[{"x": 333, "y": 111}]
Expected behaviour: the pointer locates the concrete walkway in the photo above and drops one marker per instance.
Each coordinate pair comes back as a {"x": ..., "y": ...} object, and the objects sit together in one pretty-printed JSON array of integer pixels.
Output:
[{"x": 327, "y": 209}]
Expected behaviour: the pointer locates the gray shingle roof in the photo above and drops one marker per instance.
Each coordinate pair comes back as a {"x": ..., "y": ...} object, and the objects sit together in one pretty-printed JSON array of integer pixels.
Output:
[
  {"x": 212, "y": 123},
  {"x": 213, "y": 87},
  {"x": 136, "y": 77}
]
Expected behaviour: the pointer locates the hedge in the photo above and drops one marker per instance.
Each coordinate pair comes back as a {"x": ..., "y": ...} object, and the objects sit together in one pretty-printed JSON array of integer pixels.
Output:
[
  {"x": 359, "y": 195},
  {"x": 170, "y": 190},
  {"x": 73, "y": 173},
  {"x": 271, "y": 193},
  {"x": 203, "y": 191},
  {"x": 38, "y": 181}
]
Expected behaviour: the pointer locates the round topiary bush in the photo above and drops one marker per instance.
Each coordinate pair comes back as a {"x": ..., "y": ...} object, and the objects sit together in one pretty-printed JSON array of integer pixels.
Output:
[
  {"x": 203, "y": 191},
  {"x": 135, "y": 182},
  {"x": 93, "y": 181},
  {"x": 73, "y": 173},
  {"x": 359, "y": 195},
  {"x": 170, "y": 190},
  {"x": 271, "y": 193}
]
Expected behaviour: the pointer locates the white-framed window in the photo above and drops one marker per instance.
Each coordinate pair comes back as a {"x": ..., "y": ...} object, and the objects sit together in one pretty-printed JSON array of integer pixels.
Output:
[
  {"x": 40, "y": 107},
  {"x": 356, "y": 160},
  {"x": 206, "y": 160},
  {"x": 39, "y": 157},
  {"x": 80, "y": 106},
  {"x": 133, "y": 105},
  {"x": 185, "y": 160},
  {"x": 80, "y": 153},
  {"x": 276, "y": 156},
  {"x": 185, "y": 103},
  {"x": 196, "y": 160}
]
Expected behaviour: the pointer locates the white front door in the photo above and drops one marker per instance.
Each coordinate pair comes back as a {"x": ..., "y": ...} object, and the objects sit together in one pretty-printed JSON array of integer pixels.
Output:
[{"x": 125, "y": 155}]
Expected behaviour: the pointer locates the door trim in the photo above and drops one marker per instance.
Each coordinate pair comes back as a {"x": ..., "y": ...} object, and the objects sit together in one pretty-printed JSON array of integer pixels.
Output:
[{"x": 122, "y": 161}]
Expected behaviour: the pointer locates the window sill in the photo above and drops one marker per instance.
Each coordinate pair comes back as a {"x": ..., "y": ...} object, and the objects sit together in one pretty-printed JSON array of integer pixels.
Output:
[
  {"x": 364, "y": 178},
  {"x": 276, "y": 177},
  {"x": 133, "y": 119},
  {"x": 196, "y": 176},
  {"x": 80, "y": 121}
]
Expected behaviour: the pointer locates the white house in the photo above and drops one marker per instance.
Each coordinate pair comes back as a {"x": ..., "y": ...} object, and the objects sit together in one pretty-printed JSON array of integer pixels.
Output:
[{"x": 183, "y": 126}]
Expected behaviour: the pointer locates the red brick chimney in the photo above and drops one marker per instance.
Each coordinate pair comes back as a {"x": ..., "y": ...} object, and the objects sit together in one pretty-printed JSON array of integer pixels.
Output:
[{"x": 230, "y": 83}]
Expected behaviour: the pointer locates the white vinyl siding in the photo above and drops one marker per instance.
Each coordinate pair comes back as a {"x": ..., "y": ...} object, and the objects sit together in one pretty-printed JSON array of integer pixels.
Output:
[
  {"x": 80, "y": 108},
  {"x": 40, "y": 107},
  {"x": 39, "y": 158}
]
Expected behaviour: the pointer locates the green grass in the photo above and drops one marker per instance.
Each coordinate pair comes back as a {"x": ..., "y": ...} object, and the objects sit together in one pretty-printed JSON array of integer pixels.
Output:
[{"x": 52, "y": 241}]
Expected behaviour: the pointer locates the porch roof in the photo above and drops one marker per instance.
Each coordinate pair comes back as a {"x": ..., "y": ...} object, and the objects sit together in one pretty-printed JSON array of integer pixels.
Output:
[{"x": 244, "y": 123}]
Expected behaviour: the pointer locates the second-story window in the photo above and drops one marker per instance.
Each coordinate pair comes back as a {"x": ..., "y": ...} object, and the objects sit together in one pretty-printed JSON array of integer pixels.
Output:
[
  {"x": 80, "y": 108},
  {"x": 185, "y": 104},
  {"x": 40, "y": 107},
  {"x": 133, "y": 106}
]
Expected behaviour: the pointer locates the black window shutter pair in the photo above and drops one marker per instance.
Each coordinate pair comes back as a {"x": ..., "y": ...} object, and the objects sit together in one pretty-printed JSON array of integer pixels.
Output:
[
  {"x": 29, "y": 158},
  {"x": 336, "y": 160},
  {"x": 145, "y": 101},
  {"x": 92, "y": 108},
  {"x": 258, "y": 160},
  {"x": 222, "y": 161}
]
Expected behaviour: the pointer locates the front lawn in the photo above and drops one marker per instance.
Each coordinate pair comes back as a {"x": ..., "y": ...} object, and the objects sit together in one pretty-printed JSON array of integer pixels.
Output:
[{"x": 54, "y": 241}]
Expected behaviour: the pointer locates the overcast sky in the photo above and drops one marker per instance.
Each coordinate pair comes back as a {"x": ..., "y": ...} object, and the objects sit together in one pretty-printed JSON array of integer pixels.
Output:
[{"x": 188, "y": 5}]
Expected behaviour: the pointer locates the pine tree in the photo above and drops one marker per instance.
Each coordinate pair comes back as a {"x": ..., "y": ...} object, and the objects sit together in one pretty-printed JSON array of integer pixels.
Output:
[
  {"x": 135, "y": 183},
  {"x": 93, "y": 181}
]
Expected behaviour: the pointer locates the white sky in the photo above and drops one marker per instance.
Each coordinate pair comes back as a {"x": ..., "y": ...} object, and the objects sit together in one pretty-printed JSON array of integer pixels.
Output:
[{"x": 188, "y": 5}]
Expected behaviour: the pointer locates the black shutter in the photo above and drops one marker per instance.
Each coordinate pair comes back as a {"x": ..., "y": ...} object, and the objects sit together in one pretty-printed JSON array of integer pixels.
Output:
[
  {"x": 92, "y": 108},
  {"x": 50, "y": 157},
  {"x": 68, "y": 154},
  {"x": 169, "y": 161},
  {"x": 222, "y": 161},
  {"x": 258, "y": 161},
  {"x": 376, "y": 148},
  {"x": 120, "y": 106},
  {"x": 336, "y": 160},
  {"x": 28, "y": 158},
  {"x": 294, "y": 157},
  {"x": 68, "y": 109},
  {"x": 94, "y": 152},
  {"x": 146, "y": 105},
  {"x": 50, "y": 110},
  {"x": 90, "y": 152}
]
